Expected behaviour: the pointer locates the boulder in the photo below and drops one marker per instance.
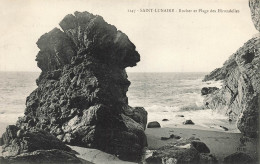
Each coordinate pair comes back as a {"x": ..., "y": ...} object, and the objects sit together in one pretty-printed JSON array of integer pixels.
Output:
[
  {"x": 44, "y": 156},
  {"x": 200, "y": 147},
  {"x": 172, "y": 153},
  {"x": 188, "y": 122},
  {"x": 34, "y": 146},
  {"x": 81, "y": 95},
  {"x": 28, "y": 141},
  {"x": 183, "y": 151},
  {"x": 153, "y": 124},
  {"x": 238, "y": 158}
]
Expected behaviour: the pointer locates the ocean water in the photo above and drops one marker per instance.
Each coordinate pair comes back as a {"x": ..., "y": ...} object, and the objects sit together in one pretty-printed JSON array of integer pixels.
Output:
[
  {"x": 163, "y": 95},
  {"x": 14, "y": 88}
]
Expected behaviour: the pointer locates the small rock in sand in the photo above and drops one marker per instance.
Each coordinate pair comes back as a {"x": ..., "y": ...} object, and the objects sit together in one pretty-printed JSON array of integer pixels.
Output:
[
  {"x": 172, "y": 136},
  {"x": 153, "y": 124},
  {"x": 179, "y": 115},
  {"x": 226, "y": 129},
  {"x": 165, "y": 119},
  {"x": 188, "y": 122},
  {"x": 175, "y": 136}
]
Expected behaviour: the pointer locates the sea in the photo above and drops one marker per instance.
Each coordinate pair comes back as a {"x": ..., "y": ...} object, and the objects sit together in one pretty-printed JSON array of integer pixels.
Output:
[{"x": 163, "y": 95}]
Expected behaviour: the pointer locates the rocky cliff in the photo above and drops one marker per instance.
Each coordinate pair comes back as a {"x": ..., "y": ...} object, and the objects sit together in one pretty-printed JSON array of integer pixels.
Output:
[
  {"x": 255, "y": 12},
  {"x": 81, "y": 95},
  {"x": 239, "y": 95}
]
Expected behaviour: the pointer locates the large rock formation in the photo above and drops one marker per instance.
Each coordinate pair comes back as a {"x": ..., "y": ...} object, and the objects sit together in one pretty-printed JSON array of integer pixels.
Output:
[
  {"x": 81, "y": 95},
  {"x": 239, "y": 95}
]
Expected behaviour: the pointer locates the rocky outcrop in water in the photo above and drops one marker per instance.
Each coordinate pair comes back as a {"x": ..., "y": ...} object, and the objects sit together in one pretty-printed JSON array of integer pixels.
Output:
[
  {"x": 81, "y": 95},
  {"x": 239, "y": 96}
]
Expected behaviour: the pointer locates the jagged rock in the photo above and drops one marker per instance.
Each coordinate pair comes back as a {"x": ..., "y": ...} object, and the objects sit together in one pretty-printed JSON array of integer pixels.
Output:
[
  {"x": 188, "y": 122},
  {"x": 255, "y": 12},
  {"x": 238, "y": 158},
  {"x": 81, "y": 95},
  {"x": 34, "y": 146},
  {"x": 239, "y": 96},
  {"x": 29, "y": 141},
  {"x": 153, "y": 124},
  {"x": 208, "y": 90}
]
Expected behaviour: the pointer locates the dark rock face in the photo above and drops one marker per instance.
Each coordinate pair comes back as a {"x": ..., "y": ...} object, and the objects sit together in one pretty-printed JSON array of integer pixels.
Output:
[
  {"x": 33, "y": 146},
  {"x": 208, "y": 90},
  {"x": 153, "y": 124},
  {"x": 239, "y": 96},
  {"x": 255, "y": 12},
  {"x": 81, "y": 95},
  {"x": 238, "y": 158}
]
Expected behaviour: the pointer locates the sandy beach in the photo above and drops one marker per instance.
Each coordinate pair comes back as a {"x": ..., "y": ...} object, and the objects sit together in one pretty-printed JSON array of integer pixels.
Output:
[{"x": 220, "y": 143}]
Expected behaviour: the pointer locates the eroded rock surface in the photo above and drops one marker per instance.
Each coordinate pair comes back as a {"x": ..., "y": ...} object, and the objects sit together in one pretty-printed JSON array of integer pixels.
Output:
[{"x": 81, "y": 95}]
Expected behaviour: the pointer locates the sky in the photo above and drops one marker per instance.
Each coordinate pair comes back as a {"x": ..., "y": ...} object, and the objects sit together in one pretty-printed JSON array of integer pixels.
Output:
[{"x": 167, "y": 42}]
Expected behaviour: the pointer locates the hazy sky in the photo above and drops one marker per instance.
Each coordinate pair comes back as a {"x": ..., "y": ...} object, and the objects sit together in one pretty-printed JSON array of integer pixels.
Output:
[{"x": 167, "y": 42}]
